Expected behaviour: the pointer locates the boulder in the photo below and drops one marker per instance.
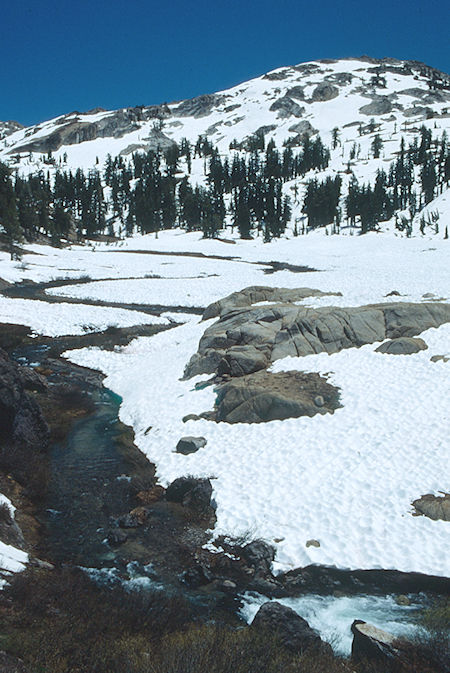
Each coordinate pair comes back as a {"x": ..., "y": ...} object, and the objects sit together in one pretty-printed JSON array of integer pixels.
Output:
[
  {"x": 434, "y": 507},
  {"x": 296, "y": 92},
  {"x": 116, "y": 537},
  {"x": 402, "y": 346},
  {"x": 198, "y": 575},
  {"x": 137, "y": 517},
  {"x": 32, "y": 380},
  {"x": 371, "y": 644},
  {"x": 282, "y": 330},
  {"x": 264, "y": 396},
  {"x": 286, "y": 107},
  {"x": 187, "y": 445},
  {"x": 191, "y": 492},
  {"x": 440, "y": 358},
  {"x": 293, "y": 631},
  {"x": 379, "y": 106},
  {"x": 258, "y": 293},
  {"x": 21, "y": 419},
  {"x": 147, "y": 497},
  {"x": 323, "y": 92},
  {"x": 201, "y": 106},
  {"x": 259, "y": 555},
  {"x": 301, "y": 129}
]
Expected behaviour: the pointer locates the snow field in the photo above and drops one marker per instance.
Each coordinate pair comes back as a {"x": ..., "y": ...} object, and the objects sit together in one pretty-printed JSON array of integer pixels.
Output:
[{"x": 346, "y": 479}]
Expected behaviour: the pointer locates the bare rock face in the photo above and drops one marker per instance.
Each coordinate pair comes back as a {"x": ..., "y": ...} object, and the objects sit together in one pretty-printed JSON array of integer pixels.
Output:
[
  {"x": 282, "y": 330},
  {"x": 156, "y": 140},
  {"x": 258, "y": 293},
  {"x": 293, "y": 631},
  {"x": 264, "y": 397},
  {"x": 324, "y": 91},
  {"x": 296, "y": 92},
  {"x": 434, "y": 507},
  {"x": 301, "y": 129},
  {"x": 21, "y": 419},
  {"x": 74, "y": 130},
  {"x": 201, "y": 106},
  {"x": 8, "y": 127},
  {"x": 379, "y": 106},
  {"x": 286, "y": 107},
  {"x": 402, "y": 346}
]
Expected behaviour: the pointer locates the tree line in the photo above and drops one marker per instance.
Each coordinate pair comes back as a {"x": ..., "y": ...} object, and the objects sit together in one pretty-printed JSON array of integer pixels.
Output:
[{"x": 155, "y": 190}]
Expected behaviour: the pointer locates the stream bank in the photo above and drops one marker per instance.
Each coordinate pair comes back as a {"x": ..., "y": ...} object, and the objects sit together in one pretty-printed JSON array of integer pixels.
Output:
[{"x": 96, "y": 474}]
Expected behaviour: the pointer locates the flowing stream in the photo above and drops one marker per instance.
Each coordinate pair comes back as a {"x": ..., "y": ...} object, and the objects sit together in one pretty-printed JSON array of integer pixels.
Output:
[{"x": 89, "y": 488}]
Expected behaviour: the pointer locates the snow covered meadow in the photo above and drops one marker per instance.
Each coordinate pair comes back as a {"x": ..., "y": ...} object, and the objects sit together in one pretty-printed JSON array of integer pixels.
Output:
[{"x": 347, "y": 479}]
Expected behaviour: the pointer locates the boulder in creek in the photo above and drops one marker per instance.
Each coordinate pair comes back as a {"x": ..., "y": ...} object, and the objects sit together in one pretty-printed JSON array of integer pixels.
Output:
[
  {"x": 375, "y": 646},
  {"x": 191, "y": 492},
  {"x": 293, "y": 631},
  {"x": 21, "y": 419},
  {"x": 259, "y": 555}
]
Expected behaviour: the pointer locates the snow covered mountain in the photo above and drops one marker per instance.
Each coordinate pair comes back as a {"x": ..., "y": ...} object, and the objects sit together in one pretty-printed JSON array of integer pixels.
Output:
[
  {"x": 345, "y": 480},
  {"x": 312, "y": 98},
  {"x": 284, "y": 104},
  {"x": 6, "y": 128},
  {"x": 347, "y": 102}
]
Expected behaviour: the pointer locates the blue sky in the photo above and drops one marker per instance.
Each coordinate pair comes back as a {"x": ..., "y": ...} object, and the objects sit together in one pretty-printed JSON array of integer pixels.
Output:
[{"x": 66, "y": 55}]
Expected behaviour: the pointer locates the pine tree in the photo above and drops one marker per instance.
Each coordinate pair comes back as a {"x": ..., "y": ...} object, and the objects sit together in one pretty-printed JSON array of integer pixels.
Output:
[
  {"x": 8, "y": 210},
  {"x": 376, "y": 146}
]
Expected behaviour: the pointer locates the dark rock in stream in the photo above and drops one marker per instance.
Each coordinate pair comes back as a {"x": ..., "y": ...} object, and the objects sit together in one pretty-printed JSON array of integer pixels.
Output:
[
  {"x": 117, "y": 537},
  {"x": 259, "y": 555},
  {"x": 21, "y": 419},
  {"x": 375, "y": 646},
  {"x": 191, "y": 492},
  {"x": 293, "y": 631}
]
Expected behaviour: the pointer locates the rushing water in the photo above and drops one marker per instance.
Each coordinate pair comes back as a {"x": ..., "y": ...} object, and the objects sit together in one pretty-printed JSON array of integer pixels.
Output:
[
  {"x": 89, "y": 488},
  {"x": 333, "y": 616}
]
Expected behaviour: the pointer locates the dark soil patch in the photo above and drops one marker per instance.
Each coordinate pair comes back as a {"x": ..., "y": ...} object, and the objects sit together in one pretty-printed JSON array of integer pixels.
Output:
[{"x": 36, "y": 291}]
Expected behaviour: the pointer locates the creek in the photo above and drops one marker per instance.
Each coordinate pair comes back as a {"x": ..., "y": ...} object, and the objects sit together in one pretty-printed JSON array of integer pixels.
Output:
[{"x": 95, "y": 472}]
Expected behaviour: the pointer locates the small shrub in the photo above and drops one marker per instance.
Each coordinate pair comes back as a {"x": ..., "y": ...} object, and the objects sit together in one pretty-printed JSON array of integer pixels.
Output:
[{"x": 5, "y": 513}]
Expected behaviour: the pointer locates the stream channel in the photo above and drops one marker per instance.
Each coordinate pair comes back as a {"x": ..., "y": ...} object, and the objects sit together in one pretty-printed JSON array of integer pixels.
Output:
[{"x": 96, "y": 472}]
